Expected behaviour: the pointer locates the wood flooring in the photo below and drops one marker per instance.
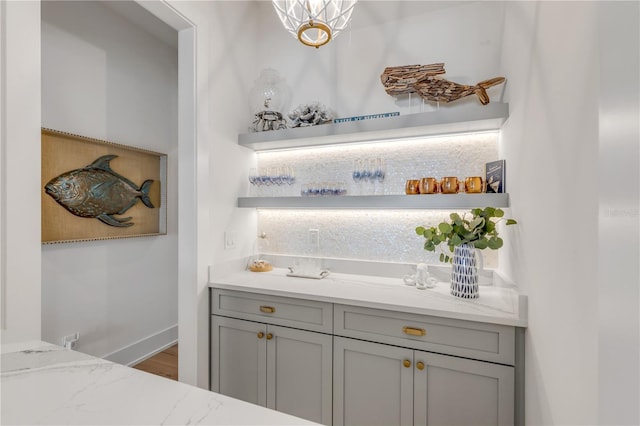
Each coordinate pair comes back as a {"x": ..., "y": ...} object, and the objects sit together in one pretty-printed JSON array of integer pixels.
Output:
[{"x": 163, "y": 364}]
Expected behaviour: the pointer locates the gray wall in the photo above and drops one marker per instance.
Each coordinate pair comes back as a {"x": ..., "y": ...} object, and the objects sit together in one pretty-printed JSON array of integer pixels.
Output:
[{"x": 107, "y": 78}]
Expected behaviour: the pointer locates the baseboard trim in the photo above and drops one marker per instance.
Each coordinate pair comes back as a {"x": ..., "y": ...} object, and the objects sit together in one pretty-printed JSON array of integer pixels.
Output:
[{"x": 145, "y": 348}]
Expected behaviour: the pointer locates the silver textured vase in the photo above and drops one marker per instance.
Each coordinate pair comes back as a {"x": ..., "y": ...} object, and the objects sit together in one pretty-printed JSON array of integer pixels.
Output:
[{"x": 464, "y": 272}]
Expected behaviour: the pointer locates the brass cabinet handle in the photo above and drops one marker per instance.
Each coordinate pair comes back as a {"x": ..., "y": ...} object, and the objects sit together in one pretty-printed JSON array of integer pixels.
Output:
[
  {"x": 260, "y": 335},
  {"x": 412, "y": 331},
  {"x": 420, "y": 365},
  {"x": 267, "y": 309},
  {"x": 269, "y": 336},
  {"x": 406, "y": 363}
]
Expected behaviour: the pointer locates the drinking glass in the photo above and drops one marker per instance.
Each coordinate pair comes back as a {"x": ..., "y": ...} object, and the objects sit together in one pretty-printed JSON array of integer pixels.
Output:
[
  {"x": 368, "y": 170},
  {"x": 380, "y": 169},
  {"x": 378, "y": 172},
  {"x": 263, "y": 175},
  {"x": 276, "y": 175},
  {"x": 253, "y": 177},
  {"x": 358, "y": 166},
  {"x": 358, "y": 174},
  {"x": 290, "y": 176}
]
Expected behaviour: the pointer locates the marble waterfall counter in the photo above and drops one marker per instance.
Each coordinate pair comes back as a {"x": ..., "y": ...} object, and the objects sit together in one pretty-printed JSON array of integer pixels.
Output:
[
  {"x": 496, "y": 304},
  {"x": 46, "y": 385}
]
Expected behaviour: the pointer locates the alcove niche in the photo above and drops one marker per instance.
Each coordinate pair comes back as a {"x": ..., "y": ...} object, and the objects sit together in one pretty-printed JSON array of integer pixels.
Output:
[{"x": 110, "y": 72}]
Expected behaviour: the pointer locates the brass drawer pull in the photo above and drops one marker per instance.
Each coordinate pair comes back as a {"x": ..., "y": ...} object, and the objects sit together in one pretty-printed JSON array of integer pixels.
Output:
[
  {"x": 269, "y": 336},
  {"x": 414, "y": 331},
  {"x": 420, "y": 365},
  {"x": 406, "y": 363},
  {"x": 260, "y": 335},
  {"x": 267, "y": 309}
]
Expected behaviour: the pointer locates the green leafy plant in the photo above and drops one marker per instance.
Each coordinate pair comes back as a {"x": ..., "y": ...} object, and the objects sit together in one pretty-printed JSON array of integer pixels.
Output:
[{"x": 479, "y": 230}]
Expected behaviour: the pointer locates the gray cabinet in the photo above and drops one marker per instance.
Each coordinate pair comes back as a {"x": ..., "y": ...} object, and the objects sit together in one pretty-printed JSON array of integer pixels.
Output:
[
  {"x": 238, "y": 359},
  {"x": 282, "y": 368},
  {"x": 378, "y": 384},
  {"x": 348, "y": 365},
  {"x": 437, "y": 371},
  {"x": 372, "y": 386},
  {"x": 457, "y": 391}
]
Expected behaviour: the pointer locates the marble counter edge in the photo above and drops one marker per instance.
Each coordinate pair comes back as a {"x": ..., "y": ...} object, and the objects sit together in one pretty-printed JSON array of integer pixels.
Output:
[
  {"x": 455, "y": 310},
  {"x": 45, "y": 384}
]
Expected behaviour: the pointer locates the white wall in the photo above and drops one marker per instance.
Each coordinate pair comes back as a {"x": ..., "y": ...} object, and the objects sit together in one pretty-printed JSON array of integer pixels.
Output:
[
  {"x": 20, "y": 170},
  {"x": 220, "y": 44},
  {"x": 582, "y": 339},
  {"x": 106, "y": 78}
]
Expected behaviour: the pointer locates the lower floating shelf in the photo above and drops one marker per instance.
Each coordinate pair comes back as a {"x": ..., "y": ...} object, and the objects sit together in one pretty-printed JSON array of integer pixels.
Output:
[{"x": 399, "y": 202}]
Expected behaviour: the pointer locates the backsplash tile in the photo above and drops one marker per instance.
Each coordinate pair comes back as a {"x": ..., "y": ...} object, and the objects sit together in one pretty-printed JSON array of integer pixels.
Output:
[{"x": 378, "y": 235}]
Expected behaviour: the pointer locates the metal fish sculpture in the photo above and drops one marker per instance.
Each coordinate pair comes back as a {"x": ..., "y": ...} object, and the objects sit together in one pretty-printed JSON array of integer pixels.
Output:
[{"x": 96, "y": 191}]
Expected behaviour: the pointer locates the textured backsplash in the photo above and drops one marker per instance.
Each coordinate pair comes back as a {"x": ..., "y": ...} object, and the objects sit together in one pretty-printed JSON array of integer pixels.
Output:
[{"x": 377, "y": 235}]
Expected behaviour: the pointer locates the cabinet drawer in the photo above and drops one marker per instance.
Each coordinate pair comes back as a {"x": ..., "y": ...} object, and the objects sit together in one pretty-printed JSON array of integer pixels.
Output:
[
  {"x": 488, "y": 342},
  {"x": 287, "y": 311}
]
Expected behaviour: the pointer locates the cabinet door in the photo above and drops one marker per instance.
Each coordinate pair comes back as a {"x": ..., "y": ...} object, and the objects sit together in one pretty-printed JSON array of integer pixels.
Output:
[
  {"x": 458, "y": 391},
  {"x": 299, "y": 373},
  {"x": 238, "y": 359},
  {"x": 372, "y": 384}
]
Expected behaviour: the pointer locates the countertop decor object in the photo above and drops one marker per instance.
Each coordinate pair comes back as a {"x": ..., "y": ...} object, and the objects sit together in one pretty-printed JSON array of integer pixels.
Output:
[
  {"x": 268, "y": 99},
  {"x": 44, "y": 384},
  {"x": 400, "y": 80},
  {"x": 438, "y": 89},
  {"x": 463, "y": 236},
  {"x": 260, "y": 266},
  {"x": 315, "y": 22},
  {"x": 255, "y": 262},
  {"x": 426, "y": 82},
  {"x": 310, "y": 114}
]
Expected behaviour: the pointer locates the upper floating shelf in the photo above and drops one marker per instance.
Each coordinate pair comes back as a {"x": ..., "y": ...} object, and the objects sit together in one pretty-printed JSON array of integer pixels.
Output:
[
  {"x": 463, "y": 119},
  {"x": 434, "y": 201}
]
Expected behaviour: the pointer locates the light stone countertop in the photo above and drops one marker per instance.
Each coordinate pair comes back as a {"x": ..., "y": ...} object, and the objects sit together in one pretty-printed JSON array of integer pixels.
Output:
[
  {"x": 43, "y": 384},
  {"x": 496, "y": 304}
]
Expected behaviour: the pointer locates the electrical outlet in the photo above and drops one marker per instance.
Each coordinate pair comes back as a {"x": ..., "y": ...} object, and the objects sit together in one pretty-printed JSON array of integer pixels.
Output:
[
  {"x": 70, "y": 341},
  {"x": 230, "y": 240},
  {"x": 314, "y": 237}
]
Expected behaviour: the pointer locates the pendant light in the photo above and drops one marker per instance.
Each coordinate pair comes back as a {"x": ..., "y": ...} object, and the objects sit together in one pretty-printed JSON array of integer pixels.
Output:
[{"x": 314, "y": 22}]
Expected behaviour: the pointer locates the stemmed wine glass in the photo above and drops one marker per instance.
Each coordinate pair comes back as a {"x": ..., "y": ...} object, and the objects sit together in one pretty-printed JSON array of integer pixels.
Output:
[
  {"x": 379, "y": 173},
  {"x": 358, "y": 173},
  {"x": 275, "y": 175},
  {"x": 253, "y": 177},
  {"x": 289, "y": 175}
]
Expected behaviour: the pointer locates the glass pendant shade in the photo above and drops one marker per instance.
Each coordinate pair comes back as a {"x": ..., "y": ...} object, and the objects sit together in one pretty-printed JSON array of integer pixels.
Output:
[{"x": 314, "y": 22}]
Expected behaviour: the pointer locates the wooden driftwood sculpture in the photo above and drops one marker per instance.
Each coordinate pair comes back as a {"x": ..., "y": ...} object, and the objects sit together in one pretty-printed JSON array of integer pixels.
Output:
[
  {"x": 441, "y": 90},
  {"x": 400, "y": 80},
  {"x": 424, "y": 80}
]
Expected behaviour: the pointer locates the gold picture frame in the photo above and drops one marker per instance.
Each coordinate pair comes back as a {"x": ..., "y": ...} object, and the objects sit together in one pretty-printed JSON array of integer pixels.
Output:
[{"x": 128, "y": 166}]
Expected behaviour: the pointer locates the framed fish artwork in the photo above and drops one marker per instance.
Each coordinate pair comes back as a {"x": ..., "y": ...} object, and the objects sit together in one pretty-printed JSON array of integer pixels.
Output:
[{"x": 96, "y": 190}]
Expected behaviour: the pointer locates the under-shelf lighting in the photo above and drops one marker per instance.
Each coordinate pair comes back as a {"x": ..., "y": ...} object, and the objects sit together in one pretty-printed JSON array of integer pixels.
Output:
[{"x": 365, "y": 145}]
